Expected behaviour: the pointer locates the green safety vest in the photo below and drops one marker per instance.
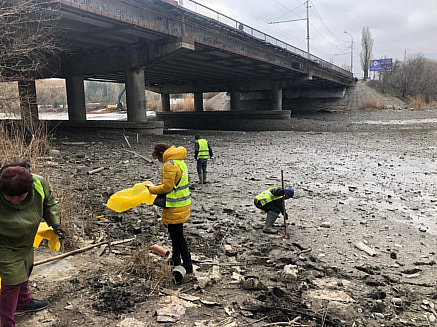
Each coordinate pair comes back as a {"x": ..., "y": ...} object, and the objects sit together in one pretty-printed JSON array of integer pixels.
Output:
[
  {"x": 203, "y": 149},
  {"x": 180, "y": 195},
  {"x": 38, "y": 187},
  {"x": 267, "y": 196}
]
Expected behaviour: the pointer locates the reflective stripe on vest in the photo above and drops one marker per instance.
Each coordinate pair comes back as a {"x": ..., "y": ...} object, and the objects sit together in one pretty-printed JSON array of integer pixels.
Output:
[
  {"x": 38, "y": 187},
  {"x": 180, "y": 195},
  {"x": 203, "y": 149},
  {"x": 267, "y": 196}
]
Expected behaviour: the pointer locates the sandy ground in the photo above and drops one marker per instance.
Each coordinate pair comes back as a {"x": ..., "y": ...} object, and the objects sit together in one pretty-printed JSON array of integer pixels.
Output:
[{"x": 360, "y": 176}]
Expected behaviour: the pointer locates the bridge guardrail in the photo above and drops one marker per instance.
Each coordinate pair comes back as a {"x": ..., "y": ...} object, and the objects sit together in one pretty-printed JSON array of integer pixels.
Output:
[{"x": 213, "y": 14}]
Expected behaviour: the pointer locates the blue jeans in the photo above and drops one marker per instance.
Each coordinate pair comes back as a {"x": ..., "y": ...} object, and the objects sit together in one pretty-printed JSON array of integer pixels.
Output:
[{"x": 201, "y": 165}]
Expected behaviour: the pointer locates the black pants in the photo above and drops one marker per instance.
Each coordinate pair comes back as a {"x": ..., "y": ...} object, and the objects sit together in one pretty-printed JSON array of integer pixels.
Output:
[
  {"x": 271, "y": 206},
  {"x": 179, "y": 245}
]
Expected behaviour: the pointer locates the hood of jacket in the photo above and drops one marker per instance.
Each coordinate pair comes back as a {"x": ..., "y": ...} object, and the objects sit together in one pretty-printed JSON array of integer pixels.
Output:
[{"x": 174, "y": 153}]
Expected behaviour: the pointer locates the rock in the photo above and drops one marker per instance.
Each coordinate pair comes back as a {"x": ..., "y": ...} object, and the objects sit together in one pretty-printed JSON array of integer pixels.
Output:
[
  {"x": 252, "y": 283},
  {"x": 396, "y": 301},
  {"x": 378, "y": 315},
  {"x": 54, "y": 152},
  {"x": 325, "y": 224},
  {"x": 289, "y": 274},
  {"x": 131, "y": 322},
  {"x": 204, "y": 281},
  {"x": 229, "y": 251}
]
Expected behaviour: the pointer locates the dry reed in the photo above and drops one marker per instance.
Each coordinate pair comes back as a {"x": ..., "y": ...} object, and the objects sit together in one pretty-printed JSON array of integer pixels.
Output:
[
  {"x": 31, "y": 143},
  {"x": 418, "y": 102},
  {"x": 142, "y": 264},
  {"x": 372, "y": 104}
]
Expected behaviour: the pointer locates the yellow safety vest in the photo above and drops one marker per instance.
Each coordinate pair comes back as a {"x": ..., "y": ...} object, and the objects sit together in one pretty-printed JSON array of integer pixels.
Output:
[
  {"x": 180, "y": 195},
  {"x": 203, "y": 149},
  {"x": 38, "y": 187},
  {"x": 267, "y": 196}
]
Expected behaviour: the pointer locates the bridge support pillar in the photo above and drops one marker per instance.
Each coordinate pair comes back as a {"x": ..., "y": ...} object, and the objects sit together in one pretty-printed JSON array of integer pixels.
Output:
[
  {"x": 277, "y": 99},
  {"x": 75, "y": 97},
  {"x": 198, "y": 101},
  {"x": 135, "y": 95},
  {"x": 28, "y": 102},
  {"x": 235, "y": 101},
  {"x": 165, "y": 102}
]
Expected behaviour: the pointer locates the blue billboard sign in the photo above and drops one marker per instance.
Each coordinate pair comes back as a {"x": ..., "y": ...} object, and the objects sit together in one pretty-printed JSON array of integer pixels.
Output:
[{"x": 380, "y": 64}]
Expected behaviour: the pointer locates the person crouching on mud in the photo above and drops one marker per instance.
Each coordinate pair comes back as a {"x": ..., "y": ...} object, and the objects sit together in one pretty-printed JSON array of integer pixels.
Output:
[
  {"x": 272, "y": 203},
  {"x": 176, "y": 199}
]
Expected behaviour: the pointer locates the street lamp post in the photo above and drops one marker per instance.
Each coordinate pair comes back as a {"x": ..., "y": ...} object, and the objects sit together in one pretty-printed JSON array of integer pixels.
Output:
[{"x": 352, "y": 51}]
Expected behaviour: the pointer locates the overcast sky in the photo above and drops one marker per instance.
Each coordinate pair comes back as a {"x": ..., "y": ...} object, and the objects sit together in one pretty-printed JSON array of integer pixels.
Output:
[{"x": 396, "y": 26}]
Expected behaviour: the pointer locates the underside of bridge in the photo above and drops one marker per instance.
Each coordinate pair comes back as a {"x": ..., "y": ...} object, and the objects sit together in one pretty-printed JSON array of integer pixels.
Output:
[{"x": 160, "y": 46}]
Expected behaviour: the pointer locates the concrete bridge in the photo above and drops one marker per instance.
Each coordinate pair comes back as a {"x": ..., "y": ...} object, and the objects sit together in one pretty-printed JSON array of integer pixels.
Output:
[{"x": 162, "y": 46}]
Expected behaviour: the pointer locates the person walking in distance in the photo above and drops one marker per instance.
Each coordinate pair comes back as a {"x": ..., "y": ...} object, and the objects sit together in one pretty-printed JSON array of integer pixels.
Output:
[
  {"x": 175, "y": 199},
  {"x": 202, "y": 152},
  {"x": 25, "y": 199},
  {"x": 272, "y": 202}
]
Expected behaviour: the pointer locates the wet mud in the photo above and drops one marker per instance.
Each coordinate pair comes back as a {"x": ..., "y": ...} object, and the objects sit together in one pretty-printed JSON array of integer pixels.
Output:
[{"x": 358, "y": 186}]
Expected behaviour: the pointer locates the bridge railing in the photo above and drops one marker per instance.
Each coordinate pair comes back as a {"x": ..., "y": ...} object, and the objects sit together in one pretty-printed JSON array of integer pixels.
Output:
[{"x": 211, "y": 13}]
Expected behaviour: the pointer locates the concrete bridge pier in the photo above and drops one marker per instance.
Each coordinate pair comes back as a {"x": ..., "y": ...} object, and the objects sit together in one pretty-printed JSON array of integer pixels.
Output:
[
  {"x": 235, "y": 101},
  {"x": 198, "y": 101},
  {"x": 28, "y": 102},
  {"x": 277, "y": 99},
  {"x": 76, "y": 97},
  {"x": 165, "y": 102},
  {"x": 135, "y": 95}
]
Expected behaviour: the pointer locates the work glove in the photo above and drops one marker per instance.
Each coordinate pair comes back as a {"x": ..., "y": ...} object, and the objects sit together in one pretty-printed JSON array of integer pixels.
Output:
[{"x": 59, "y": 231}]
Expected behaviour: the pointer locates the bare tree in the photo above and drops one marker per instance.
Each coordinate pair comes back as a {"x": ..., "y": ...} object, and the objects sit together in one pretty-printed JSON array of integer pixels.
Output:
[
  {"x": 415, "y": 76},
  {"x": 366, "y": 52},
  {"x": 27, "y": 37}
]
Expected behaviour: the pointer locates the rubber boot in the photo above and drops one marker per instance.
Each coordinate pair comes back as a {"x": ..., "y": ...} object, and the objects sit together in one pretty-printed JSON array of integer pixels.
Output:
[
  {"x": 270, "y": 220},
  {"x": 204, "y": 177},
  {"x": 200, "y": 178}
]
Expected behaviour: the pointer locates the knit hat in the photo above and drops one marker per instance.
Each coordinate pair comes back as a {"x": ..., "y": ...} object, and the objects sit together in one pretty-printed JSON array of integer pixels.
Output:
[{"x": 289, "y": 191}]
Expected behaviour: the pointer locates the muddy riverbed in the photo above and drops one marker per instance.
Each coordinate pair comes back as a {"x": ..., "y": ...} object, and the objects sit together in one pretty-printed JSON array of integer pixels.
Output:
[{"x": 360, "y": 178}]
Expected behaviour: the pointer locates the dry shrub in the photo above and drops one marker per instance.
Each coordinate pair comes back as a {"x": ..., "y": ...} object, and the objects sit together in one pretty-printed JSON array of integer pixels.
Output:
[
  {"x": 143, "y": 265},
  {"x": 432, "y": 104},
  {"x": 154, "y": 105},
  {"x": 72, "y": 209},
  {"x": 208, "y": 107},
  {"x": 9, "y": 100},
  {"x": 372, "y": 104},
  {"x": 18, "y": 143},
  {"x": 418, "y": 102},
  {"x": 187, "y": 104}
]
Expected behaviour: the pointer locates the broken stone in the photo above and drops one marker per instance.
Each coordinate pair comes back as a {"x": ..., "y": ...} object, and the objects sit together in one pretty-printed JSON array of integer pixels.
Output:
[
  {"x": 252, "y": 283},
  {"x": 363, "y": 247},
  {"x": 378, "y": 315},
  {"x": 229, "y": 251},
  {"x": 289, "y": 274},
  {"x": 325, "y": 224},
  {"x": 131, "y": 322},
  {"x": 204, "y": 281},
  {"x": 396, "y": 301}
]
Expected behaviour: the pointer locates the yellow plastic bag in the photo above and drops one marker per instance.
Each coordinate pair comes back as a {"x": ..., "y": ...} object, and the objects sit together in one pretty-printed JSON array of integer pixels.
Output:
[
  {"x": 46, "y": 232},
  {"x": 127, "y": 199}
]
